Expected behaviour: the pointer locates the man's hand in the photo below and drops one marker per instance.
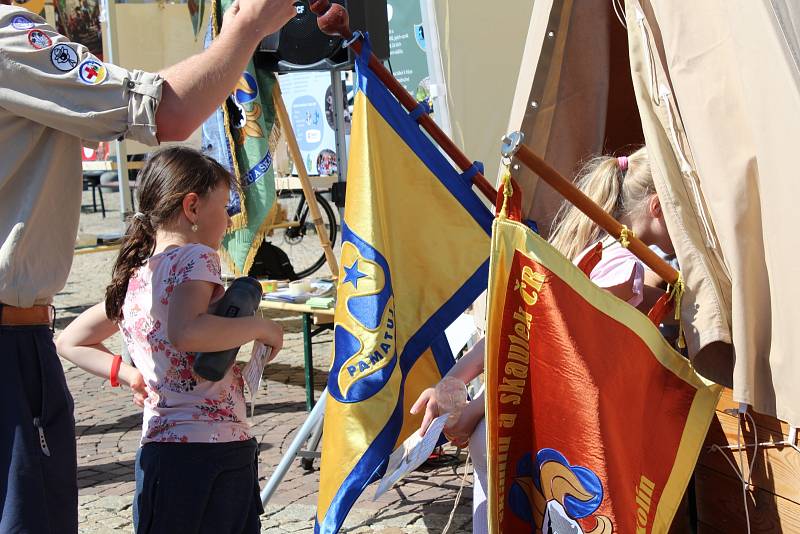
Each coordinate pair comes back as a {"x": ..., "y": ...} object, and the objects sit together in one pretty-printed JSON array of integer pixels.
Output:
[
  {"x": 266, "y": 16},
  {"x": 229, "y": 15}
]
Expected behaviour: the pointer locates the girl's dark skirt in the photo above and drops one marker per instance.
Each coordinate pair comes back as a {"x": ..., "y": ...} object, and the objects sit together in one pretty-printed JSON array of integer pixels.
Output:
[{"x": 197, "y": 488}]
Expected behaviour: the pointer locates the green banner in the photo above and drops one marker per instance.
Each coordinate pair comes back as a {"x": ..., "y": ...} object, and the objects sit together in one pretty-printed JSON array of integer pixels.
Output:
[{"x": 242, "y": 136}]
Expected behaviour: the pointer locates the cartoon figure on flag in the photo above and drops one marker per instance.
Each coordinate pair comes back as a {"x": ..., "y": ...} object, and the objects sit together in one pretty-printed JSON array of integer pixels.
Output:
[
  {"x": 415, "y": 244},
  {"x": 552, "y": 495}
]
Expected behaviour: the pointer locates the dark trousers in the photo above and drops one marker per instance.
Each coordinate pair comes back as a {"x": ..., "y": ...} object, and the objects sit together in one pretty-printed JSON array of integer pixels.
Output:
[
  {"x": 38, "y": 484},
  {"x": 197, "y": 488}
]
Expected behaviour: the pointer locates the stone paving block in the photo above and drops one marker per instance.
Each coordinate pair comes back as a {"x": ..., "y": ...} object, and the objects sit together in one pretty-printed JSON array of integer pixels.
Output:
[
  {"x": 113, "y": 503},
  {"x": 295, "y": 513}
]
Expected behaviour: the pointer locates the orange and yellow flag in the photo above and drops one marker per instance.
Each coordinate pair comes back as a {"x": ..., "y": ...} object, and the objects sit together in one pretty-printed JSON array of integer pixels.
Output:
[{"x": 594, "y": 422}]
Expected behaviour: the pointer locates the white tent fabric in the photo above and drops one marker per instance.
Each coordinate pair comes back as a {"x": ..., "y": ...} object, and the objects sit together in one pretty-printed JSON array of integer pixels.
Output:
[
  {"x": 480, "y": 48},
  {"x": 717, "y": 84}
]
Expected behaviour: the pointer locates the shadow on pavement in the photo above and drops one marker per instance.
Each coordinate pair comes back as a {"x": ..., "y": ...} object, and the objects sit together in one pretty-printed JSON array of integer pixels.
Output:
[
  {"x": 90, "y": 476},
  {"x": 123, "y": 423}
]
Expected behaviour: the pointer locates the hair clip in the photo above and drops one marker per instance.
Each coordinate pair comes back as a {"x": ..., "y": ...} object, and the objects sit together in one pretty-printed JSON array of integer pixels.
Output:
[{"x": 622, "y": 163}]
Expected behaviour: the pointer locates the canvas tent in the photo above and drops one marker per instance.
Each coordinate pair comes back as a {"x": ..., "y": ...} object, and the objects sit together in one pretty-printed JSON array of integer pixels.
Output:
[
  {"x": 717, "y": 84},
  {"x": 713, "y": 88},
  {"x": 721, "y": 147}
]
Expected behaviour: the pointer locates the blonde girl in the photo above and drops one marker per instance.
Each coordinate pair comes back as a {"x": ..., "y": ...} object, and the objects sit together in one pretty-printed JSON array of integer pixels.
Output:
[{"x": 623, "y": 187}]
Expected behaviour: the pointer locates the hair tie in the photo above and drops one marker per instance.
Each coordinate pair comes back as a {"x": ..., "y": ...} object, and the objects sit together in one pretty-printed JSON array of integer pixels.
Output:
[
  {"x": 144, "y": 219},
  {"x": 622, "y": 163}
]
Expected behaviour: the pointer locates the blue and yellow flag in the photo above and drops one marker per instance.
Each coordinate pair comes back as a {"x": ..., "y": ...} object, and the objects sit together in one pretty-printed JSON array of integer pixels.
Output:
[{"x": 415, "y": 249}]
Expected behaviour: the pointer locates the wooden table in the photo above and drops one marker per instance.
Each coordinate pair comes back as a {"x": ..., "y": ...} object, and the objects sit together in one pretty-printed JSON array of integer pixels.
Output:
[{"x": 321, "y": 317}]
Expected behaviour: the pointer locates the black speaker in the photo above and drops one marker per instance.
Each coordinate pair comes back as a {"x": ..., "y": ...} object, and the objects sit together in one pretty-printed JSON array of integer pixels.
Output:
[{"x": 300, "y": 45}]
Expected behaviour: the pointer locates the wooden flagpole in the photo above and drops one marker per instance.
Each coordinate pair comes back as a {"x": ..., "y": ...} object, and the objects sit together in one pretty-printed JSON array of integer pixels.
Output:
[
  {"x": 513, "y": 147},
  {"x": 334, "y": 20},
  {"x": 308, "y": 191}
]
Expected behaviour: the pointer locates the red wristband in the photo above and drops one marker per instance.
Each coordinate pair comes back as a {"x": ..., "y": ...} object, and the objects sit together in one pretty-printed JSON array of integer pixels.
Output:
[{"x": 115, "y": 365}]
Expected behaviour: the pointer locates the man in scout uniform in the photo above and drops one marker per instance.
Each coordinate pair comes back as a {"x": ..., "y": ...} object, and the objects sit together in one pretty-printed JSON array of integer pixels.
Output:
[{"x": 53, "y": 93}]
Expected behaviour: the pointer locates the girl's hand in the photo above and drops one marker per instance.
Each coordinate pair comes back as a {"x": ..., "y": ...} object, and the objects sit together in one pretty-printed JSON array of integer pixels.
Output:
[
  {"x": 272, "y": 355},
  {"x": 426, "y": 400},
  {"x": 272, "y": 336},
  {"x": 133, "y": 379}
]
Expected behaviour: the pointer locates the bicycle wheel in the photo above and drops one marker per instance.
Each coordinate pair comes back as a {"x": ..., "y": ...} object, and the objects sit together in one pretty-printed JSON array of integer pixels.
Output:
[{"x": 297, "y": 236}]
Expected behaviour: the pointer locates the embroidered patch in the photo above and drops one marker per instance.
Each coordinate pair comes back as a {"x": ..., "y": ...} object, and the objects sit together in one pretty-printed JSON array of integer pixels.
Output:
[
  {"x": 38, "y": 39},
  {"x": 64, "y": 57},
  {"x": 21, "y": 23},
  {"x": 92, "y": 72}
]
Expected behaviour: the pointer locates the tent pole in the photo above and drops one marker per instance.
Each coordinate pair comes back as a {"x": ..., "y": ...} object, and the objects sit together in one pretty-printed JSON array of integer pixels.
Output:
[
  {"x": 125, "y": 196},
  {"x": 333, "y": 20}
]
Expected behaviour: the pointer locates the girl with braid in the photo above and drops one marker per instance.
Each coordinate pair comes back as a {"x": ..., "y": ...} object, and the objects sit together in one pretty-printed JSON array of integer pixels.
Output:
[{"x": 197, "y": 464}]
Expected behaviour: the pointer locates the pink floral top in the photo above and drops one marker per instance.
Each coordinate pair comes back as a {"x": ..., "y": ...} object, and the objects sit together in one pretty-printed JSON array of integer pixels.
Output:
[
  {"x": 617, "y": 266},
  {"x": 181, "y": 406}
]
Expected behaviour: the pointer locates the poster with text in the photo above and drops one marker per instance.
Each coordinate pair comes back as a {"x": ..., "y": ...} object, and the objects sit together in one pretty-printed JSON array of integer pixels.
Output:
[
  {"x": 407, "y": 47},
  {"x": 309, "y": 102}
]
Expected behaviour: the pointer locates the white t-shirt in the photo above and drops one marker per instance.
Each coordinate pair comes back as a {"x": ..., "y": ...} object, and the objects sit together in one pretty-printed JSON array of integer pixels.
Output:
[{"x": 617, "y": 266}]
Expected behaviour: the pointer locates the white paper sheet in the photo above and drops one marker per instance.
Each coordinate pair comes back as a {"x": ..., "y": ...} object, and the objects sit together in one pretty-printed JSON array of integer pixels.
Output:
[
  {"x": 254, "y": 370},
  {"x": 411, "y": 454}
]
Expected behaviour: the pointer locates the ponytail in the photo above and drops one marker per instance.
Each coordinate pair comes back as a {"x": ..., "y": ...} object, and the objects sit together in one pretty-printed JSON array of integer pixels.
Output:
[
  {"x": 619, "y": 189},
  {"x": 137, "y": 246}
]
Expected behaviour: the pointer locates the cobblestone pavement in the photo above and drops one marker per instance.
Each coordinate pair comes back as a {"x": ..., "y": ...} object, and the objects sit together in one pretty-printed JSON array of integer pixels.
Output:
[{"x": 108, "y": 429}]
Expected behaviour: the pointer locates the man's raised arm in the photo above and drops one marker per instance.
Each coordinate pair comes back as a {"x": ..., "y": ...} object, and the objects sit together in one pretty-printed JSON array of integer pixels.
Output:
[{"x": 195, "y": 87}]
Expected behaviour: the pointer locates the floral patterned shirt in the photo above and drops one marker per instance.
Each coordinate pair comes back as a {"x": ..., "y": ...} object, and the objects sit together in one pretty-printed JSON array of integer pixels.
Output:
[{"x": 181, "y": 406}]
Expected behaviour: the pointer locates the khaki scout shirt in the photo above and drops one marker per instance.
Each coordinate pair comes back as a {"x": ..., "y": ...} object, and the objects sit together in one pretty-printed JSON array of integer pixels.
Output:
[{"x": 53, "y": 93}]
